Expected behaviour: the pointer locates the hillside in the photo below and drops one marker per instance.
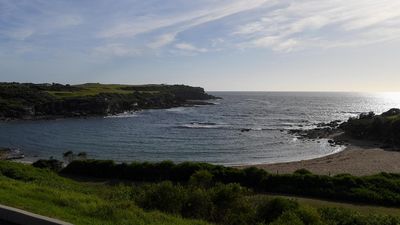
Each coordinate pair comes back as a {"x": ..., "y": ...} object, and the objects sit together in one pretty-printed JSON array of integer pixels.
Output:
[
  {"x": 90, "y": 200},
  {"x": 30, "y": 101},
  {"x": 384, "y": 128}
]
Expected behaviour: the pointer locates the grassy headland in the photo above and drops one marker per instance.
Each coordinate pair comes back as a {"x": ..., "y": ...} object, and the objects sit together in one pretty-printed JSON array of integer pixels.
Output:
[
  {"x": 30, "y": 101},
  {"x": 202, "y": 198}
]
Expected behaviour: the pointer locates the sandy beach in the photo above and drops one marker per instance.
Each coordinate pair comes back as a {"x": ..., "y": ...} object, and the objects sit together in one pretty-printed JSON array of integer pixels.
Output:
[{"x": 358, "y": 158}]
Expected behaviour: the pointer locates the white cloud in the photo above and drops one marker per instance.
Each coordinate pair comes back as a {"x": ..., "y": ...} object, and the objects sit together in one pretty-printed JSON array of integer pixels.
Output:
[
  {"x": 162, "y": 40},
  {"x": 184, "y": 21},
  {"x": 155, "y": 28},
  {"x": 249, "y": 28},
  {"x": 189, "y": 47},
  {"x": 297, "y": 24}
]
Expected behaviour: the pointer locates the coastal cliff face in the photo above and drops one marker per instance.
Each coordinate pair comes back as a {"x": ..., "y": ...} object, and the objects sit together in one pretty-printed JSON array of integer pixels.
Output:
[{"x": 30, "y": 101}]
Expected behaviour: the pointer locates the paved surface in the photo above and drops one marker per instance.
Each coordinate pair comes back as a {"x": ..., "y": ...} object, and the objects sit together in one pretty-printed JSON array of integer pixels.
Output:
[{"x": 6, "y": 223}]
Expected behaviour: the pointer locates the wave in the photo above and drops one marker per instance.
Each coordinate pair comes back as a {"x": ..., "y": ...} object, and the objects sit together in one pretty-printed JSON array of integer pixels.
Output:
[
  {"x": 266, "y": 102},
  {"x": 177, "y": 109},
  {"x": 123, "y": 115},
  {"x": 203, "y": 125}
]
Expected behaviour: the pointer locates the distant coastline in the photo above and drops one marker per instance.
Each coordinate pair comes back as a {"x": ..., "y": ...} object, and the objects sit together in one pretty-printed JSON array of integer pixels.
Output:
[{"x": 27, "y": 101}]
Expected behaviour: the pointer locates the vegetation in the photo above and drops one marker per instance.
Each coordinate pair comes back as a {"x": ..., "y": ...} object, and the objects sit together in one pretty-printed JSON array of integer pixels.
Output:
[
  {"x": 382, "y": 189},
  {"x": 46, "y": 100},
  {"x": 198, "y": 201},
  {"x": 384, "y": 128}
]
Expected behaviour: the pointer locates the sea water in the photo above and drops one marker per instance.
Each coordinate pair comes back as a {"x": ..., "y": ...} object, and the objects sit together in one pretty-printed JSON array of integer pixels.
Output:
[{"x": 207, "y": 133}]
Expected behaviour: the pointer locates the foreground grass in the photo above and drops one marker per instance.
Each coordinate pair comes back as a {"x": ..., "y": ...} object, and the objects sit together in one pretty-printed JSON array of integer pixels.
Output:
[
  {"x": 43, "y": 192},
  {"x": 96, "y": 202},
  {"x": 319, "y": 203}
]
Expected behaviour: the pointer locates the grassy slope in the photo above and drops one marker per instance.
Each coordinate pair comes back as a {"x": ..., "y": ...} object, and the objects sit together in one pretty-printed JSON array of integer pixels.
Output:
[
  {"x": 319, "y": 203},
  {"x": 45, "y": 193},
  {"x": 93, "y": 89}
]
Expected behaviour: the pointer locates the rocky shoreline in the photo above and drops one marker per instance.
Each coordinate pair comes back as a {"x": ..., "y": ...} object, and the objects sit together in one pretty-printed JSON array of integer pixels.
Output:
[
  {"x": 10, "y": 154},
  {"x": 382, "y": 130},
  {"x": 26, "y": 101},
  {"x": 189, "y": 103},
  {"x": 332, "y": 131}
]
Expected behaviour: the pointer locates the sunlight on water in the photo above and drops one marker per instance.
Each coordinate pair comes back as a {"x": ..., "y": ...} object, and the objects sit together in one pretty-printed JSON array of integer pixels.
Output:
[{"x": 390, "y": 96}]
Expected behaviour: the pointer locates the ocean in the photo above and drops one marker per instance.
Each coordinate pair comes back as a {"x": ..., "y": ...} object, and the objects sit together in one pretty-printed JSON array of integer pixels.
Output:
[{"x": 208, "y": 133}]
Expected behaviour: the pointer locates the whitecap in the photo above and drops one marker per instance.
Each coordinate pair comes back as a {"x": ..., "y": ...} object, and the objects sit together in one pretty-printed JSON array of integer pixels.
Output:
[
  {"x": 123, "y": 115},
  {"x": 177, "y": 110},
  {"x": 202, "y": 125}
]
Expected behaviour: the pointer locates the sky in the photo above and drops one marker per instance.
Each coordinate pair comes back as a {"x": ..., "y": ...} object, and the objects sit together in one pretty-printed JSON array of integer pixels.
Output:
[{"x": 241, "y": 45}]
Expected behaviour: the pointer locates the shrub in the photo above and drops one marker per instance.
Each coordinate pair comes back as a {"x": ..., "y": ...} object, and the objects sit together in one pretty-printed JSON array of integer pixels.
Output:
[
  {"x": 381, "y": 189},
  {"x": 302, "y": 172},
  {"x": 165, "y": 197},
  {"x": 230, "y": 205},
  {"x": 201, "y": 178},
  {"x": 198, "y": 204},
  {"x": 271, "y": 210},
  {"x": 309, "y": 216},
  {"x": 287, "y": 218},
  {"x": 51, "y": 164}
]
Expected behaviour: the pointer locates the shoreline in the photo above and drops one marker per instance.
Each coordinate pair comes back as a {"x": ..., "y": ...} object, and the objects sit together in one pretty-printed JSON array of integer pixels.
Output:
[
  {"x": 188, "y": 103},
  {"x": 359, "y": 158}
]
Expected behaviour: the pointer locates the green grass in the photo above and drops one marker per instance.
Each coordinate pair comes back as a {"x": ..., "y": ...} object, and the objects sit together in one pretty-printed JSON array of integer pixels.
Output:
[
  {"x": 319, "y": 203},
  {"x": 91, "y": 89},
  {"x": 393, "y": 118},
  {"x": 45, "y": 193},
  {"x": 114, "y": 202}
]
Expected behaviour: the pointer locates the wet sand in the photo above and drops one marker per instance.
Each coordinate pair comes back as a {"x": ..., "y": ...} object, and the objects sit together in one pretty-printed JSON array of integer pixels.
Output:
[{"x": 359, "y": 158}]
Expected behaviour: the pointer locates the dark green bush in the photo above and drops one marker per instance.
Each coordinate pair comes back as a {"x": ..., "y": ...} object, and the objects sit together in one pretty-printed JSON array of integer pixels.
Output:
[
  {"x": 51, "y": 164},
  {"x": 381, "y": 189},
  {"x": 340, "y": 216},
  {"x": 271, "y": 210},
  {"x": 201, "y": 178},
  {"x": 198, "y": 204},
  {"x": 165, "y": 197}
]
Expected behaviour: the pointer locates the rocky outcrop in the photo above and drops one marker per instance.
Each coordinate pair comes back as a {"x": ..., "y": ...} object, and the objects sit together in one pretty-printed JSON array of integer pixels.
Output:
[
  {"x": 10, "y": 153},
  {"x": 30, "y": 101},
  {"x": 383, "y": 129}
]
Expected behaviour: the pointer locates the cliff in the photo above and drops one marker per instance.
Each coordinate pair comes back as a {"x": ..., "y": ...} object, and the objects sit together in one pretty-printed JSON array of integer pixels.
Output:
[{"x": 30, "y": 101}]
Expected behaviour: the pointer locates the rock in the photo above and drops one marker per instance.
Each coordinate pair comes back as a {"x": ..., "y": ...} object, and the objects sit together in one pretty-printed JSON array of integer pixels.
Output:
[{"x": 10, "y": 153}]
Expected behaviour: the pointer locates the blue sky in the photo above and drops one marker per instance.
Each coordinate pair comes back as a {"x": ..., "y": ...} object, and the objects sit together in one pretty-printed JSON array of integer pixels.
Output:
[{"x": 256, "y": 45}]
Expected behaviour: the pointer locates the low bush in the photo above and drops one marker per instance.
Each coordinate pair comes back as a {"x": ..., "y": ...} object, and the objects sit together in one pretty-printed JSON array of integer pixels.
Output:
[
  {"x": 383, "y": 189},
  {"x": 52, "y": 164},
  {"x": 269, "y": 211}
]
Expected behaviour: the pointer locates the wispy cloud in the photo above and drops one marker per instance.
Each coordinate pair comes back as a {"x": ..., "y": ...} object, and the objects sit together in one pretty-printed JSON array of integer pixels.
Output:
[
  {"x": 162, "y": 40},
  {"x": 189, "y": 47},
  {"x": 111, "y": 28},
  {"x": 179, "y": 22},
  {"x": 300, "y": 24}
]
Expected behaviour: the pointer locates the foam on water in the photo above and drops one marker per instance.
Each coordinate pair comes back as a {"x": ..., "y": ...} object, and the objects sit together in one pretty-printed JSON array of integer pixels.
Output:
[{"x": 123, "y": 115}]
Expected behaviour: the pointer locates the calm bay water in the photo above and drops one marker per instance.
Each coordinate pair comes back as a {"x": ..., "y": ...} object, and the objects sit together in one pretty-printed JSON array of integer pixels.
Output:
[{"x": 205, "y": 133}]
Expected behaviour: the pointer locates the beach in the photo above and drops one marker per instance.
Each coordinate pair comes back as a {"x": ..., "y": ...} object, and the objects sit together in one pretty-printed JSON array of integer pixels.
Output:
[{"x": 358, "y": 158}]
